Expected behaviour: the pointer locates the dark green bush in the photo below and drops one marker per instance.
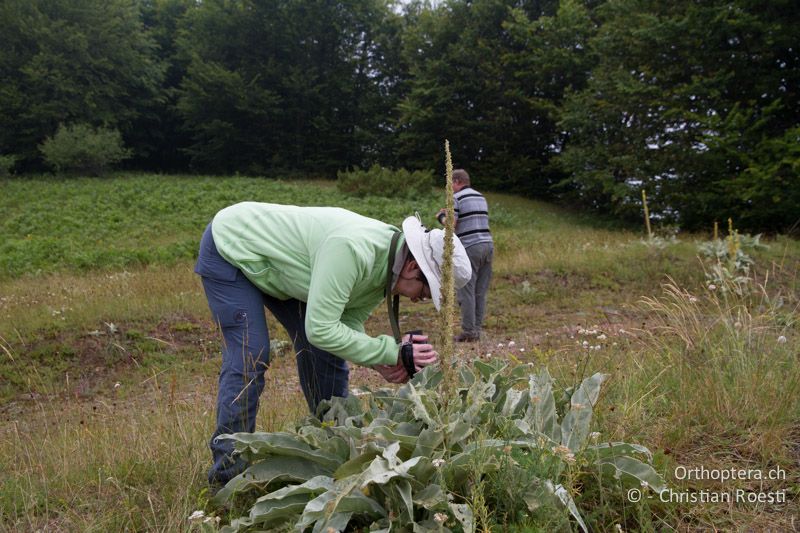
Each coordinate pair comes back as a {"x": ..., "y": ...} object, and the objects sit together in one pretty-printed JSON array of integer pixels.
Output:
[
  {"x": 82, "y": 149},
  {"x": 380, "y": 181},
  {"x": 7, "y": 163}
]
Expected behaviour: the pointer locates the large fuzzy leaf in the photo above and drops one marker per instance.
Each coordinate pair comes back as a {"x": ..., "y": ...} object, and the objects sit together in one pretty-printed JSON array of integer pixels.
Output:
[
  {"x": 544, "y": 493},
  {"x": 576, "y": 425},
  {"x": 334, "y": 508},
  {"x": 359, "y": 462},
  {"x": 282, "y": 511},
  {"x": 260, "y": 445},
  {"x": 432, "y": 497},
  {"x": 428, "y": 379},
  {"x": 405, "y": 433},
  {"x": 511, "y": 401},
  {"x": 421, "y": 409},
  {"x": 389, "y": 466},
  {"x": 463, "y": 514},
  {"x": 429, "y": 440},
  {"x": 625, "y": 466},
  {"x": 565, "y": 498},
  {"x": 541, "y": 414},
  {"x": 342, "y": 411},
  {"x": 316, "y": 486},
  {"x": 268, "y": 471},
  {"x": 458, "y": 431},
  {"x": 403, "y": 489},
  {"x": 591, "y": 386},
  {"x": 616, "y": 449}
]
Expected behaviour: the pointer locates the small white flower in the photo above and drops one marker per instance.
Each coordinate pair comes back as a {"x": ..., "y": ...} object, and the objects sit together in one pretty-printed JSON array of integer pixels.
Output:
[
  {"x": 644, "y": 484},
  {"x": 601, "y": 337},
  {"x": 522, "y": 349},
  {"x": 585, "y": 344},
  {"x": 618, "y": 528},
  {"x": 438, "y": 463},
  {"x": 196, "y": 516},
  {"x": 712, "y": 287},
  {"x": 595, "y": 436},
  {"x": 488, "y": 355},
  {"x": 597, "y": 347},
  {"x": 781, "y": 340},
  {"x": 500, "y": 345},
  {"x": 117, "y": 385},
  {"x": 692, "y": 299},
  {"x": 511, "y": 344},
  {"x": 440, "y": 518}
]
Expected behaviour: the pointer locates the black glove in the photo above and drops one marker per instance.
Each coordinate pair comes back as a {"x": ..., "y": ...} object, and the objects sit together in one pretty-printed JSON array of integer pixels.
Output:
[{"x": 407, "y": 353}]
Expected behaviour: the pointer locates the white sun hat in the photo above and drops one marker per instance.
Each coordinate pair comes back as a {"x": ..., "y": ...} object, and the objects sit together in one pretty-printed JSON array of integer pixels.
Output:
[{"x": 427, "y": 247}]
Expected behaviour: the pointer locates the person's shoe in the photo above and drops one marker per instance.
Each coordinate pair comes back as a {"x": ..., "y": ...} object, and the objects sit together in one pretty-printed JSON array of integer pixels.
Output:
[{"x": 466, "y": 337}]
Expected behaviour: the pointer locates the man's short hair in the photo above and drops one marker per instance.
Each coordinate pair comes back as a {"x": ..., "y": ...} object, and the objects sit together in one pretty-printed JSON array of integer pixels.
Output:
[{"x": 460, "y": 175}]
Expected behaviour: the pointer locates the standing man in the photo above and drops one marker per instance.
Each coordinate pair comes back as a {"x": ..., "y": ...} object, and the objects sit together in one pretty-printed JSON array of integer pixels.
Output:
[
  {"x": 472, "y": 228},
  {"x": 320, "y": 271}
]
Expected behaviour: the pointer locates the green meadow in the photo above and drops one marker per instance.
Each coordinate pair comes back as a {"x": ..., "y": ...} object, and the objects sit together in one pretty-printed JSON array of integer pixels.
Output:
[{"x": 108, "y": 359}]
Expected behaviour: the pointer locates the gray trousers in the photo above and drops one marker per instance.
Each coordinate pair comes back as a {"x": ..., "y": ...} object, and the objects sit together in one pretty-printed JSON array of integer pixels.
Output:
[{"x": 472, "y": 296}]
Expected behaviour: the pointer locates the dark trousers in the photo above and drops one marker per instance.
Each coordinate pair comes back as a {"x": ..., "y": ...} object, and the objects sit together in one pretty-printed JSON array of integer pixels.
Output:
[{"x": 238, "y": 307}]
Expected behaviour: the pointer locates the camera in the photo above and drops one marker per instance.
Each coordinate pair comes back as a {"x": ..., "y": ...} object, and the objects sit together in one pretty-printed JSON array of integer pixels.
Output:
[{"x": 411, "y": 336}]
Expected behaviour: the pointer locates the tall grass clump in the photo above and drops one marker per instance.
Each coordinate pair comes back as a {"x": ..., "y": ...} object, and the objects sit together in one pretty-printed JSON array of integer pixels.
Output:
[
  {"x": 134, "y": 458},
  {"x": 728, "y": 366}
]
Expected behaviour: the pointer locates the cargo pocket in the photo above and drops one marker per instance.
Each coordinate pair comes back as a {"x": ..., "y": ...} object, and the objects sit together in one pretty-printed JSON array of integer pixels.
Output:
[{"x": 230, "y": 316}]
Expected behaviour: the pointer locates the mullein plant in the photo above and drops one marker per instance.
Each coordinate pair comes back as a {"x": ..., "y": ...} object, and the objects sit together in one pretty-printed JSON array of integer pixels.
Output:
[
  {"x": 730, "y": 264},
  {"x": 447, "y": 314}
]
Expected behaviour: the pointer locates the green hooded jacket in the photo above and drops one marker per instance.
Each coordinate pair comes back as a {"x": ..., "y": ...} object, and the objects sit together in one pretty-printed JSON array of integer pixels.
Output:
[{"x": 332, "y": 259}]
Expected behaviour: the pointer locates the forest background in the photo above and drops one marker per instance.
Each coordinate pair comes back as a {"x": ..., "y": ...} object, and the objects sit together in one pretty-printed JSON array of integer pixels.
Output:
[{"x": 587, "y": 103}]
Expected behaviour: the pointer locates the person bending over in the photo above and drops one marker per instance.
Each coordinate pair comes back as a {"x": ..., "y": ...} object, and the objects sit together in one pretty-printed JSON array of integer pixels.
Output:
[{"x": 320, "y": 271}]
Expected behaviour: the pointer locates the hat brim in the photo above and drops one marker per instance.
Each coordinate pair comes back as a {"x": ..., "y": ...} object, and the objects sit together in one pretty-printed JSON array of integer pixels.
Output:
[{"x": 416, "y": 236}]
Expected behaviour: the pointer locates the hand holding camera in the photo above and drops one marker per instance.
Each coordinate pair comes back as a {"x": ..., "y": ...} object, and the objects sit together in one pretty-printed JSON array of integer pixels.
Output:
[{"x": 416, "y": 353}]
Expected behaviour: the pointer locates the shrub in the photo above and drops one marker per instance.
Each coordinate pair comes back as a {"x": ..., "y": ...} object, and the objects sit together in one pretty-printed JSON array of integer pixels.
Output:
[
  {"x": 7, "y": 163},
  {"x": 83, "y": 149},
  {"x": 380, "y": 181}
]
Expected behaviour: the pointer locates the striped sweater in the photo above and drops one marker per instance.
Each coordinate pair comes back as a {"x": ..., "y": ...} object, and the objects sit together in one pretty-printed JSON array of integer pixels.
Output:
[{"x": 472, "y": 212}]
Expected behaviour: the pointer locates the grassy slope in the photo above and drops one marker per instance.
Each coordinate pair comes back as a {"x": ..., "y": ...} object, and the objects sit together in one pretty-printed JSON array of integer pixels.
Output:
[{"x": 108, "y": 362}]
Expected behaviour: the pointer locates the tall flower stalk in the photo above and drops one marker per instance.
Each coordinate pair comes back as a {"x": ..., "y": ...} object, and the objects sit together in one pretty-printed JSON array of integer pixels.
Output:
[{"x": 447, "y": 313}]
